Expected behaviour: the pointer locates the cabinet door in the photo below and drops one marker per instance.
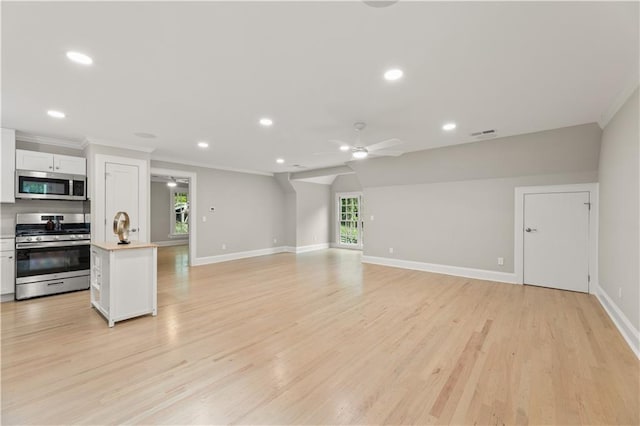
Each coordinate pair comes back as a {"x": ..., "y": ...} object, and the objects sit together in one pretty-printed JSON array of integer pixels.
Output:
[
  {"x": 69, "y": 165},
  {"x": 7, "y": 272},
  {"x": 8, "y": 166},
  {"x": 34, "y": 160}
]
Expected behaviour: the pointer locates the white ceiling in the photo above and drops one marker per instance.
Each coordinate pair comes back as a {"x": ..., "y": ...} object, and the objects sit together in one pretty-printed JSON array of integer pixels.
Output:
[{"x": 208, "y": 71}]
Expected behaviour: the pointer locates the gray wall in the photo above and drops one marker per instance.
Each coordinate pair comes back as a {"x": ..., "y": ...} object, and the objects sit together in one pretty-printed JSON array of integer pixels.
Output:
[
  {"x": 312, "y": 213},
  {"x": 468, "y": 223},
  {"x": 619, "y": 212},
  {"x": 456, "y": 204},
  {"x": 160, "y": 212},
  {"x": 248, "y": 214},
  {"x": 342, "y": 183},
  {"x": 290, "y": 222}
]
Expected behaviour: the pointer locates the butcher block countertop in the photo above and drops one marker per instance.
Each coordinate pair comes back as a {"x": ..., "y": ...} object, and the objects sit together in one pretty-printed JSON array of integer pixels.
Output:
[{"x": 111, "y": 246}]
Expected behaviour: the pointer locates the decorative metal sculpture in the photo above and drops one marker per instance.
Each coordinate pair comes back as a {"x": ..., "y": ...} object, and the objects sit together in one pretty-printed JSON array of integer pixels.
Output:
[{"x": 121, "y": 227}]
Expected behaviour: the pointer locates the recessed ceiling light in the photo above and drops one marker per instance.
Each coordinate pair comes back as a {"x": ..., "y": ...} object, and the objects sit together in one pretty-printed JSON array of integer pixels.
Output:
[
  {"x": 144, "y": 135},
  {"x": 449, "y": 126},
  {"x": 203, "y": 144},
  {"x": 393, "y": 75},
  {"x": 79, "y": 58},
  {"x": 344, "y": 148},
  {"x": 359, "y": 154},
  {"x": 266, "y": 122},
  {"x": 56, "y": 114},
  {"x": 280, "y": 160}
]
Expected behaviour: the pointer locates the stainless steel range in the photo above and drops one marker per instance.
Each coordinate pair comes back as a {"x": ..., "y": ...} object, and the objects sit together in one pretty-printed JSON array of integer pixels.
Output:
[{"x": 52, "y": 253}]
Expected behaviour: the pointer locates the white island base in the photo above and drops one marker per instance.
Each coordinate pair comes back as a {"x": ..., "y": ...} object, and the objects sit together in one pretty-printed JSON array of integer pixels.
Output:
[{"x": 124, "y": 280}]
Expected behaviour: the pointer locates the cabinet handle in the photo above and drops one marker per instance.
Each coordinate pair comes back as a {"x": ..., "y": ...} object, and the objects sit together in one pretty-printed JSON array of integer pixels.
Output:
[
  {"x": 59, "y": 282},
  {"x": 10, "y": 257},
  {"x": 58, "y": 168},
  {"x": 51, "y": 167}
]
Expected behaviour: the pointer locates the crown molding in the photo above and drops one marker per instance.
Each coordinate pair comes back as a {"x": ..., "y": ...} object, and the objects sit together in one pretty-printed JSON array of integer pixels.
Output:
[
  {"x": 620, "y": 99},
  {"x": 48, "y": 140},
  {"x": 96, "y": 141},
  {"x": 208, "y": 166}
]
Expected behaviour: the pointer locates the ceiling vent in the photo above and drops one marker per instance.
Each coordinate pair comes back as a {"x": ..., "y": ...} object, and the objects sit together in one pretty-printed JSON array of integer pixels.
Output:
[
  {"x": 298, "y": 166},
  {"x": 485, "y": 134}
]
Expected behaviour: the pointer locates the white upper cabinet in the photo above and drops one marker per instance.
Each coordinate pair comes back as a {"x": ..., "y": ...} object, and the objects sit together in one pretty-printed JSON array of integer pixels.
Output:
[
  {"x": 34, "y": 160},
  {"x": 45, "y": 162},
  {"x": 69, "y": 165},
  {"x": 7, "y": 166}
]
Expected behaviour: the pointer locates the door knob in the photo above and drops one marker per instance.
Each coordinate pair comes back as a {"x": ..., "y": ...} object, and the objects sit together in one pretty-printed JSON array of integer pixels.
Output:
[{"x": 531, "y": 229}]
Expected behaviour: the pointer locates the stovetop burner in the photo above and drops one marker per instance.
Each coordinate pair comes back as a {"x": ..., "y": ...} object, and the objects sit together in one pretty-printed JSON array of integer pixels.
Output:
[
  {"x": 40, "y": 224},
  {"x": 30, "y": 232}
]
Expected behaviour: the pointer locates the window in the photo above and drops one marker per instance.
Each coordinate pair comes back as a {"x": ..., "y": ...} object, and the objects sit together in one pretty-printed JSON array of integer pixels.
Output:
[{"x": 179, "y": 211}]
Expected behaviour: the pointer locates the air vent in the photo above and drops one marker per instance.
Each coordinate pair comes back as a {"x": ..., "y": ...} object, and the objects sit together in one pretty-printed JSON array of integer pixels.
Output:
[
  {"x": 484, "y": 134},
  {"x": 298, "y": 166}
]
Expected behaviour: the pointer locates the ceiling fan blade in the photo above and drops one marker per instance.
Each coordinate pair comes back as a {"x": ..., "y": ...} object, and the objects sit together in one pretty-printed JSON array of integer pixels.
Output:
[
  {"x": 384, "y": 144},
  {"x": 387, "y": 153}
]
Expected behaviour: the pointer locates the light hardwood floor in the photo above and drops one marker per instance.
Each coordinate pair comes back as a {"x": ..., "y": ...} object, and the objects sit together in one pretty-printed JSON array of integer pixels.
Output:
[{"x": 319, "y": 338}]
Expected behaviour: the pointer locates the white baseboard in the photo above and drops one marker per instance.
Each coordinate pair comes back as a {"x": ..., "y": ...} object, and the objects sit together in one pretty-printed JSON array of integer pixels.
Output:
[
  {"x": 313, "y": 247},
  {"x": 238, "y": 255},
  {"x": 479, "y": 274},
  {"x": 622, "y": 323},
  {"x": 8, "y": 297},
  {"x": 180, "y": 242}
]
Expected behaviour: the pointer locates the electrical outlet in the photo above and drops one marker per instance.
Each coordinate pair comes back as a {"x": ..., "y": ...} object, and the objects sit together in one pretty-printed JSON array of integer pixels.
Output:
[
  {"x": 371, "y": 218},
  {"x": 619, "y": 292},
  {"x": 501, "y": 261},
  {"x": 315, "y": 238},
  {"x": 390, "y": 250},
  {"x": 224, "y": 246},
  {"x": 275, "y": 240},
  {"x": 204, "y": 218}
]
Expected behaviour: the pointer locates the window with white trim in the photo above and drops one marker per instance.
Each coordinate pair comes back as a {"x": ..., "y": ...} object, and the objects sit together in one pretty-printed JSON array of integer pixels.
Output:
[{"x": 179, "y": 205}]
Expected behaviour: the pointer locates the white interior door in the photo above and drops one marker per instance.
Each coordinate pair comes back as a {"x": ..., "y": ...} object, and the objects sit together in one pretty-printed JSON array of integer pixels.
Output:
[
  {"x": 556, "y": 240},
  {"x": 122, "y": 194}
]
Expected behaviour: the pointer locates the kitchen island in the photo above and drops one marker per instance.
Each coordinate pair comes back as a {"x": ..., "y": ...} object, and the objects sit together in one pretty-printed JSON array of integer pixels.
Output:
[{"x": 124, "y": 280}]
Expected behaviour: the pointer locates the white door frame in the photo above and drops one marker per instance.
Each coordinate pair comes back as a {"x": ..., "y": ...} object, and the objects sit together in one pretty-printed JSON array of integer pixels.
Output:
[
  {"x": 336, "y": 216},
  {"x": 518, "y": 255},
  {"x": 99, "y": 223},
  {"x": 192, "y": 205}
]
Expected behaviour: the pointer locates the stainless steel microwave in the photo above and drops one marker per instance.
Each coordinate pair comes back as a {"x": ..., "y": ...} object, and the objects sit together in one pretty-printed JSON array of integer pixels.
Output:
[{"x": 50, "y": 186}]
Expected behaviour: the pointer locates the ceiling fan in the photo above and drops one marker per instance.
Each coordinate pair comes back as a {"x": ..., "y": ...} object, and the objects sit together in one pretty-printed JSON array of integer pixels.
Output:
[{"x": 360, "y": 151}]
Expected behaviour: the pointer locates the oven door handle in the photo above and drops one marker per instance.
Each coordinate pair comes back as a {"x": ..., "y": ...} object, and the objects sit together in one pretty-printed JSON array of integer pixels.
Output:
[{"x": 53, "y": 244}]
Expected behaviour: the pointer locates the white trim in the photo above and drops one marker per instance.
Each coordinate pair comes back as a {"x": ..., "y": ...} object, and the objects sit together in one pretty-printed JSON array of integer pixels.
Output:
[
  {"x": 620, "y": 99},
  {"x": 630, "y": 334},
  {"x": 48, "y": 140},
  {"x": 103, "y": 142},
  {"x": 336, "y": 219},
  {"x": 312, "y": 247},
  {"x": 518, "y": 249},
  {"x": 180, "y": 242},
  {"x": 193, "y": 204},
  {"x": 208, "y": 166},
  {"x": 479, "y": 274},
  {"x": 235, "y": 256}
]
